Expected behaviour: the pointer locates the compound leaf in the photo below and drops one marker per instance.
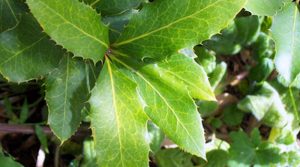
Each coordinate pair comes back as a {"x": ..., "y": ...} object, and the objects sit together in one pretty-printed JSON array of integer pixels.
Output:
[{"x": 74, "y": 25}]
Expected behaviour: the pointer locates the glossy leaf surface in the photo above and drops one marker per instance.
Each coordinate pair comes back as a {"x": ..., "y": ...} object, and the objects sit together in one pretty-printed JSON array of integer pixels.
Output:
[
  {"x": 161, "y": 28},
  {"x": 74, "y": 25},
  {"x": 26, "y": 52}
]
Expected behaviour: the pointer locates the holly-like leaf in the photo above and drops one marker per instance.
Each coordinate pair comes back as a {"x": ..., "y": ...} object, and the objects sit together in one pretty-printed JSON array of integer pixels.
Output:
[
  {"x": 26, "y": 52},
  {"x": 183, "y": 73},
  {"x": 10, "y": 13},
  {"x": 117, "y": 120},
  {"x": 287, "y": 58},
  {"x": 66, "y": 95},
  {"x": 264, "y": 7},
  {"x": 175, "y": 113},
  {"x": 162, "y": 28},
  {"x": 113, "y": 7},
  {"x": 74, "y": 25}
]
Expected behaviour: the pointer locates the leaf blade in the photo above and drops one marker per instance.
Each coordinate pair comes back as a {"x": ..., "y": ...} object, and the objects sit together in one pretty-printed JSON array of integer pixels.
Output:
[
  {"x": 170, "y": 111},
  {"x": 264, "y": 7},
  {"x": 85, "y": 36},
  {"x": 10, "y": 13},
  {"x": 120, "y": 140},
  {"x": 26, "y": 52},
  {"x": 173, "y": 30},
  {"x": 287, "y": 59}
]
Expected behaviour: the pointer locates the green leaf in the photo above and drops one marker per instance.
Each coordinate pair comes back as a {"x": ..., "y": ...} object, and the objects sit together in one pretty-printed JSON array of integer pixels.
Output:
[
  {"x": 232, "y": 116},
  {"x": 74, "y": 25},
  {"x": 42, "y": 137},
  {"x": 8, "y": 162},
  {"x": 156, "y": 137},
  {"x": 117, "y": 120},
  {"x": 266, "y": 105},
  {"x": 182, "y": 72},
  {"x": 218, "y": 74},
  {"x": 24, "y": 113},
  {"x": 264, "y": 7},
  {"x": 172, "y": 112},
  {"x": 66, "y": 94},
  {"x": 173, "y": 158},
  {"x": 206, "y": 59},
  {"x": 262, "y": 70},
  {"x": 89, "y": 154},
  {"x": 113, "y": 7},
  {"x": 264, "y": 47},
  {"x": 244, "y": 152},
  {"x": 10, "y": 13},
  {"x": 243, "y": 32},
  {"x": 26, "y": 52},
  {"x": 287, "y": 58},
  {"x": 217, "y": 158},
  {"x": 162, "y": 28},
  {"x": 117, "y": 23}
]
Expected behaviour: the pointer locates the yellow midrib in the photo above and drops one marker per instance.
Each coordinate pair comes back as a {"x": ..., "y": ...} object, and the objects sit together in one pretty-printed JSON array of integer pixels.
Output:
[{"x": 166, "y": 26}]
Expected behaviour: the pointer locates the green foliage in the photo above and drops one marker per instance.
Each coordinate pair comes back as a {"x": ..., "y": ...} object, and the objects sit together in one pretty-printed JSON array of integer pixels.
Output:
[
  {"x": 287, "y": 57},
  {"x": 149, "y": 36},
  {"x": 77, "y": 29},
  {"x": 264, "y": 7},
  {"x": 242, "y": 32},
  {"x": 140, "y": 72},
  {"x": 8, "y": 162}
]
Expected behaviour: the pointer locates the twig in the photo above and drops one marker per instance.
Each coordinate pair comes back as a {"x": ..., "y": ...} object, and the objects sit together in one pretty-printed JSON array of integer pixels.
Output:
[{"x": 29, "y": 129}]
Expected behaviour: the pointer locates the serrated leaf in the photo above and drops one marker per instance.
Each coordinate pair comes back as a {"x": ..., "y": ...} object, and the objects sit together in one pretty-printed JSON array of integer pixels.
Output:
[
  {"x": 117, "y": 120},
  {"x": 264, "y": 7},
  {"x": 162, "y": 28},
  {"x": 74, "y": 25},
  {"x": 26, "y": 52},
  {"x": 10, "y": 13},
  {"x": 113, "y": 7},
  {"x": 287, "y": 58},
  {"x": 182, "y": 72},
  {"x": 175, "y": 113},
  {"x": 66, "y": 94}
]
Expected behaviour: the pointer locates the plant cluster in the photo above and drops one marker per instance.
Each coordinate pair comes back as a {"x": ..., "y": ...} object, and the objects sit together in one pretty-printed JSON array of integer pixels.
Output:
[{"x": 218, "y": 79}]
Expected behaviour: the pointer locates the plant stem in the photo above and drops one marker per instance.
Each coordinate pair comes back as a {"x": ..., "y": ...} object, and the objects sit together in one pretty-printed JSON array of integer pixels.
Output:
[
  {"x": 29, "y": 129},
  {"x": 294, "y": 103}
]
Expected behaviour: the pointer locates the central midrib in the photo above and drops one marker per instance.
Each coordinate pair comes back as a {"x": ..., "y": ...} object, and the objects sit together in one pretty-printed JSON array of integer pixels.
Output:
[
  {"x": 163, "y": 98},
  {"x": 166, "y": 26},
  {"x": 76, "y": 27}
]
